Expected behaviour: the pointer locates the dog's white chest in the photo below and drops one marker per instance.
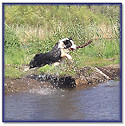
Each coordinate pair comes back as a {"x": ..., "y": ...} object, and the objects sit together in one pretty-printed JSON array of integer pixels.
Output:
[{"x": 64, "y": 52}]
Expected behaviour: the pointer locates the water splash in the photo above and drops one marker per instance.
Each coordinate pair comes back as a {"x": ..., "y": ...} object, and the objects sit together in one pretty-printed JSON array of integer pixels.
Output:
[
  {"x": 58, "y": 82},
  {"x": 43, "y": 91}
]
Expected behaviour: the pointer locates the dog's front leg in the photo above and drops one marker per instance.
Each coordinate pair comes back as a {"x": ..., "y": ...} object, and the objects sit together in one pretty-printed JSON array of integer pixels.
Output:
[
  {"x": 69, "y": 57},
  {"x": 64, "y": 54}
]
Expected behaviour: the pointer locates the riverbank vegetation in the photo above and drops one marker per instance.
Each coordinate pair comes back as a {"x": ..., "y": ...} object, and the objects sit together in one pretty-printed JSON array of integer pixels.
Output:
[{"x": 31, "y": 29}]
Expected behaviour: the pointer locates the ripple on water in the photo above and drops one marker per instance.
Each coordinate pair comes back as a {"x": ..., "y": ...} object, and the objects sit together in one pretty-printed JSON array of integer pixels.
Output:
[
  {"x": 110, "y": 83},
  {"x": 95, "y": 104}
]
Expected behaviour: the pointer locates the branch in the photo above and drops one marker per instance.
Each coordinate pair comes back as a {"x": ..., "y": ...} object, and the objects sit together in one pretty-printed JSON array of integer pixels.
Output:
[{"x": 87, "y": 43}]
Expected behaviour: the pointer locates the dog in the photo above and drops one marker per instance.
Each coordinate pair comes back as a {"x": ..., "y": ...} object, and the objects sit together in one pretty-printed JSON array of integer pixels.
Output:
[{"x": 59, "y": 51}]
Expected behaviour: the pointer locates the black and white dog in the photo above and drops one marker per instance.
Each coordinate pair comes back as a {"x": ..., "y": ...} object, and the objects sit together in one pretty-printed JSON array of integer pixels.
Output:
[{"x": 59, "y": 51}]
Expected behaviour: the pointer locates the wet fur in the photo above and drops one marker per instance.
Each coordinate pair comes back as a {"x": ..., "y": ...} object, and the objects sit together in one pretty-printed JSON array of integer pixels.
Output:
[
  {"x": 59, "y": 51},
  {"x": 47, "y": 58}
]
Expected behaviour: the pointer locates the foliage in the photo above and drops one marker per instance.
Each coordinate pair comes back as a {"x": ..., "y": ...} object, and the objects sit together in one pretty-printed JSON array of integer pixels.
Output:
[
  {"x": 13, "y": 72},
  {"x": 11, "y": 39},
  {"x": 41, "y": 15},
  {"x": 31, "y": 29}
]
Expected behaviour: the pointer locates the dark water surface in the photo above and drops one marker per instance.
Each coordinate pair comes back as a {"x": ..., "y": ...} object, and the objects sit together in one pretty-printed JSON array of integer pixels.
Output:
[{"x": 100, "y": 103}]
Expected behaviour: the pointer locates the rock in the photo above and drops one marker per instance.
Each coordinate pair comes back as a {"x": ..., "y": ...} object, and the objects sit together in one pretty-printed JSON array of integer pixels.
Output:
[{"x": 60, "y": 82}]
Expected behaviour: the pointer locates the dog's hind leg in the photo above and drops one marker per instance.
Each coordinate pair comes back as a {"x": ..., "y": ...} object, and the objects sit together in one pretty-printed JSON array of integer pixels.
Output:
[
  {"x": 56, "y": 64},
  {"x": 26, "y": 68}
]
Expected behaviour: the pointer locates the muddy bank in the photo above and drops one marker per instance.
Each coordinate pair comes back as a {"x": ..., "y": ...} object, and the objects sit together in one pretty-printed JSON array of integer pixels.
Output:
[
  {"x": 95, "y": 75},
  {"x": 85, "y": 76}
]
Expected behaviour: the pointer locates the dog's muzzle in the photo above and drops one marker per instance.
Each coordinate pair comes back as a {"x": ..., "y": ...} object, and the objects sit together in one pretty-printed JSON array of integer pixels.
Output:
[{"x": 73, "y": 47}]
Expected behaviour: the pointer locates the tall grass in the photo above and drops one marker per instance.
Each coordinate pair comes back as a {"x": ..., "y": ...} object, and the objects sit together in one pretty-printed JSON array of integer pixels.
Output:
[{"x": 23, "y": 41}]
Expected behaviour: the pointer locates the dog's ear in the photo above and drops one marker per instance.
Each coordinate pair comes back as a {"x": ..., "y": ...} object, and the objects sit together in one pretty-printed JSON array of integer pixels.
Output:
[{"x": 70, "y": 38}]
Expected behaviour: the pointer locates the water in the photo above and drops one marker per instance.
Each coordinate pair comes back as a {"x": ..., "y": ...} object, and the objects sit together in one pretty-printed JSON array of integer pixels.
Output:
[{"x": 100, "y": 103}]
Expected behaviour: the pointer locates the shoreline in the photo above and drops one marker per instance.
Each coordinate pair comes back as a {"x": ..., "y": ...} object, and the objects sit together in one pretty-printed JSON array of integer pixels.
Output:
[{"x": 87, "y": 76}]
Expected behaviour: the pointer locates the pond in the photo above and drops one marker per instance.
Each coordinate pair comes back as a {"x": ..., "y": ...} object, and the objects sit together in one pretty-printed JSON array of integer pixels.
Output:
[{"x": 98, "y": 103}]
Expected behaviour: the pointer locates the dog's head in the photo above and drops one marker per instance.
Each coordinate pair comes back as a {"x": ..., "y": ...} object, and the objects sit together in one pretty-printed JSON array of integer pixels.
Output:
[{"x": 66, "y": 43}]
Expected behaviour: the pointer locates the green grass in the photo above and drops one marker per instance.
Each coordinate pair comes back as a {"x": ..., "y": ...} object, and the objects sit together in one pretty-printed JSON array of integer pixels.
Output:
[
  {"x": 99, "y": 53},
  {"x": 13, "y": 72},
  {"x": 42, "y": 14},
  {"x": 16, "y": 57},
  {"x": 23, "y": 39}
]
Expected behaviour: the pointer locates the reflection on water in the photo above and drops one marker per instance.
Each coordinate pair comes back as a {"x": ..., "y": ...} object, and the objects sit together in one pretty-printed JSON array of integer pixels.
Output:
[{"x": 100, "y": 103}]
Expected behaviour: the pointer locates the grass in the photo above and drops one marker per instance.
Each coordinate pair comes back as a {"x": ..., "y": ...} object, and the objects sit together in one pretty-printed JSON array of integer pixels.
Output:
[
  {"x": 99, "y": 53},
  {"x": 23, "y": 41},
  {"x": 13, "y": 72}
]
